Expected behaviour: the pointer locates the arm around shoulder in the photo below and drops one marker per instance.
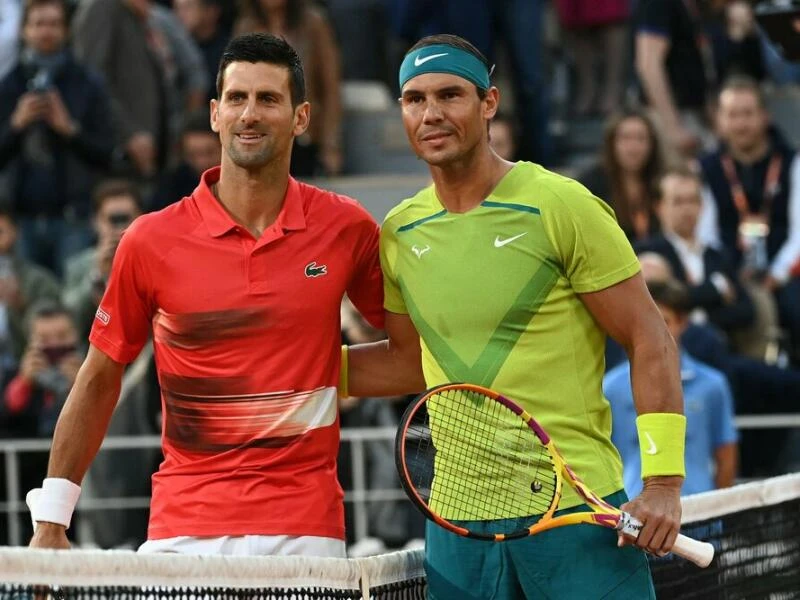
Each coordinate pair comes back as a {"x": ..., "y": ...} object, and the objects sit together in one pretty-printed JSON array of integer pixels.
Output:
[{"x": 391, "y": 367}]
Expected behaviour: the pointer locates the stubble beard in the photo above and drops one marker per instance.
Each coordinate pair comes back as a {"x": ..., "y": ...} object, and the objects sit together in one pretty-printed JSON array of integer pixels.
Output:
[{"x": 251, "y": 159}]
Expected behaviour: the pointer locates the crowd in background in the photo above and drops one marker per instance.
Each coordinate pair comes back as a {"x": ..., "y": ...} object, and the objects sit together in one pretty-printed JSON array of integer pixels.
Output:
[{"x": 104, "y": 116}]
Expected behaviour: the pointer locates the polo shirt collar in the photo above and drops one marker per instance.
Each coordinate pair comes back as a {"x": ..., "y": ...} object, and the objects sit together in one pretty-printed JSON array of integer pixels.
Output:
[{"x": 219, "y": 222}]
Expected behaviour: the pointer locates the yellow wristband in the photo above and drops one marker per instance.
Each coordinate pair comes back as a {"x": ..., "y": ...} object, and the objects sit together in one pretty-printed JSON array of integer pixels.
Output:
[
  {"x": 662, "y": 438},
  {"x": 343, "y": 373}
]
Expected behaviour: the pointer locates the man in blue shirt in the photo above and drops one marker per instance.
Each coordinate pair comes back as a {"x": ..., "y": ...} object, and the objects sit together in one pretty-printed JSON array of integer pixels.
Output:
[{"x": 711, "y": 436}]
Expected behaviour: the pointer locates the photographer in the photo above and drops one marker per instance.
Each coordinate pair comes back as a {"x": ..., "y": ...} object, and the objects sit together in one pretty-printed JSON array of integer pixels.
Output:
[
  {"x": 116, "y": 204},
  {"x": 47, "y": 371},
  {"x": 54, "y": 130}
]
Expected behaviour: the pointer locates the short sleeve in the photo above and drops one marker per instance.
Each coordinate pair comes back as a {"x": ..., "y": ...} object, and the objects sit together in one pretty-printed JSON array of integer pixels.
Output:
[
  {"x": 655, "y": 16},
  {"x": 592, "y": 248},
  {"x": 723, "y": 419},
  {"x": 392, "y": 295},
  {"x": 123, "y": 321},
  {"x": 366, "y": 286}
]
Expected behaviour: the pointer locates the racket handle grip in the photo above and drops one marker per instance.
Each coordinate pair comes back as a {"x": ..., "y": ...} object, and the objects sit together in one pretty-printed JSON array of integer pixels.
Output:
[{"x": 700, "y": 553}]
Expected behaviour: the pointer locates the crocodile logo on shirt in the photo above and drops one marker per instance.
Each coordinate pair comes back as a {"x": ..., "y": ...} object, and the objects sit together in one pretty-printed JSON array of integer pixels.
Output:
[{"x": 314, "y": 270}]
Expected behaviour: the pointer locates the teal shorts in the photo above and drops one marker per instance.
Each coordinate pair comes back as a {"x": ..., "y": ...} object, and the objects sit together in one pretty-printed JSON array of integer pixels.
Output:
[{"x": 572, "y": 562}]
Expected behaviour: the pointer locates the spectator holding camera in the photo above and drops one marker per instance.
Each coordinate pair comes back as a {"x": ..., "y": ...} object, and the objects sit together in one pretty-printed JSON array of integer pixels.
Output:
[
  {"x": 116, "y": 204},
  {"x": 54, "y": 133},
  {"x": 47, "y": 371}
]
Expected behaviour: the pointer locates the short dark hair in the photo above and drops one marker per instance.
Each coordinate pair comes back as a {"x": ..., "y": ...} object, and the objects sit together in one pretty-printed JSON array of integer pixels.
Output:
[
  {"x": 457, "y": 42},
  {"x": 677, "y": 170},
  {"x": 744, "y": 83},
  {"x": 29, "y": 5},
  {"x": 670, "y": 293},
  {"x": 196, "y": 122},
  {"x": 268, "y": 48},
  {"x": 44, "y": 309},
  {"x": 112, "y": 188}
]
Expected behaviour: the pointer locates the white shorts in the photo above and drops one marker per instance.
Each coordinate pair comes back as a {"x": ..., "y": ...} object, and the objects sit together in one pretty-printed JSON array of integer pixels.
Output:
[{"x": 249, "y": 545}]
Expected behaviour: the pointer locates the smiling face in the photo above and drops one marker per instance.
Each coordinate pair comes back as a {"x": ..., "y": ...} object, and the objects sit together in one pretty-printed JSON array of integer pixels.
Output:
[
  {"x": 254, "y": 115},
  {"x": 444, "y": 118}
]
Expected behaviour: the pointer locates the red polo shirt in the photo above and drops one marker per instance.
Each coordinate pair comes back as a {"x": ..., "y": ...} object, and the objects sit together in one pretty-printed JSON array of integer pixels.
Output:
[{"x": 247, "y": 336}]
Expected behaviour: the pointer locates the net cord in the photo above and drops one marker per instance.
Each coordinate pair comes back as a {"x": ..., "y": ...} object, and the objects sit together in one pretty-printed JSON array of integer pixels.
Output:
[
  {"x": 717, "y": 503},
  {"x": 126, "y": 568}
]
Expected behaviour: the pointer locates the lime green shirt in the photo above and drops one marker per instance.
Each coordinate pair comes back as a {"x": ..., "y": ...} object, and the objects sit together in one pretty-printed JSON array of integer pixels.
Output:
[{"x": 494, "y": 294}]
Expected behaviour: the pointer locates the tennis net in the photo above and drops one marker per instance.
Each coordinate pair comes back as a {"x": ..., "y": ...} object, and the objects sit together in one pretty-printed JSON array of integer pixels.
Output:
[{"x": 755, "y": 529}]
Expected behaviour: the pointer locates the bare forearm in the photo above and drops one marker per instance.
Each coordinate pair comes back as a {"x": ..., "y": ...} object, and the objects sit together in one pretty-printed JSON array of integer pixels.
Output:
[
  {"x": 82, "y": 425},
  {"x": 659, "y": 93},
  {"x": 655, "y": 374},
  {"x": 382, "y": 369}
]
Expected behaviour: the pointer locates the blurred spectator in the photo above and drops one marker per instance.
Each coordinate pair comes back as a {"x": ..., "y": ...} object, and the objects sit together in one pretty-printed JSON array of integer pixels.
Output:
[
  {"x": 47, "y": 371},
  {"x": 596, "y": 29},
  {"x": 713, "y": 290},
  {"x": 203, "y": 20},
  {"x": 737, "y": 45},
  {"x": 22, "y": 284},
  {"x": 116, "y": 38},
  {"x": 362, "y": 29},
  {"x": 519, "y": 25},
  {"x": 758, "y": 388},
  {"x": 307, "y": 29},
  {"x": 711, "y": 437},
  {"x": 183, "y": 67},
  {"x": 628, "y": 172},
  {"x": 753, "y": 198},
  {"x": 502, "y": 136},
  {"x": 675, "y": 65},
  {"x": 10, "y": 17},
  {"x": 116, "y": 205},
  {"x": 54, "y": 130},
  {"x": 200, "y": 150}
]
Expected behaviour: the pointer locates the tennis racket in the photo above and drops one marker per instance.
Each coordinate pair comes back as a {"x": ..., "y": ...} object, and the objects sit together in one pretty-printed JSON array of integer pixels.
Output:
[{"x": 469, "y": 457}]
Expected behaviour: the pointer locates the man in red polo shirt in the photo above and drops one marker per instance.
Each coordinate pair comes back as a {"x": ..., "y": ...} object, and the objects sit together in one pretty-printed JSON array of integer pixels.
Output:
[{"x": 240, "y": 285}]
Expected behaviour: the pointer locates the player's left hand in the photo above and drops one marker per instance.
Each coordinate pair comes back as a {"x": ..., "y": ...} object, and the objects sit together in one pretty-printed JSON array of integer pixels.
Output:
[{"x": 658, "y": 507}]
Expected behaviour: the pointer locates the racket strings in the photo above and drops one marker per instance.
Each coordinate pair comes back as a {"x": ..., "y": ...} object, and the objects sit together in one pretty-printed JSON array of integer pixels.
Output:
[{"x": 471, "y": 458}]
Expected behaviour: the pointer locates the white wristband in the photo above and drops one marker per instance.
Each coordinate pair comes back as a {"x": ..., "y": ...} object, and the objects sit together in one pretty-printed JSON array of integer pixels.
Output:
[{"x": 56, "y": 501}]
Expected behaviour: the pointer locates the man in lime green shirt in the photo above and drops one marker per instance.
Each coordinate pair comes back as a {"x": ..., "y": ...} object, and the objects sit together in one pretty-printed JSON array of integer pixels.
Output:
[{"x": 509, "y": 276}]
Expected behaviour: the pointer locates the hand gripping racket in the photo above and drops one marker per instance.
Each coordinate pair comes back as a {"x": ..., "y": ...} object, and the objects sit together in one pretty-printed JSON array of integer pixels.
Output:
[{"x": 468, "y": 455}]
